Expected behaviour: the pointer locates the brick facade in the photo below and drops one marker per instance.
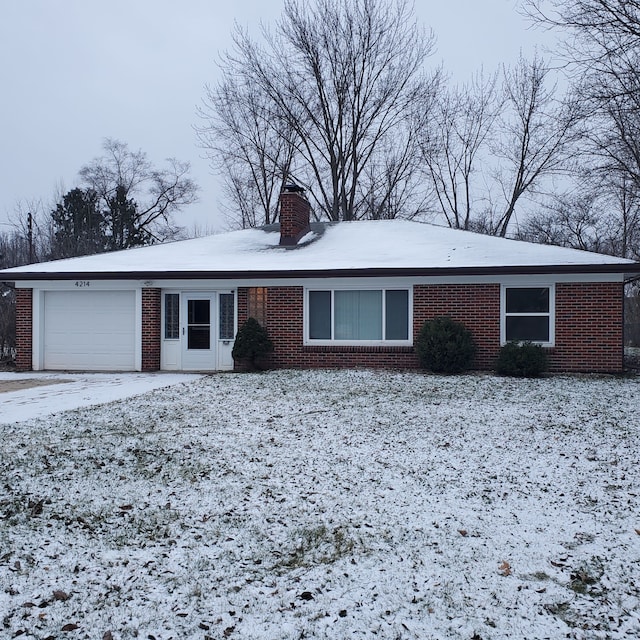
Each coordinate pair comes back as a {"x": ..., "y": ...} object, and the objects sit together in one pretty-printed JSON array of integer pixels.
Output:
[
  {"x": 588, "y": 327},
  {"x": 24, "y": 331},
  {"x": 151, "y": 327},
  {"x": 476, "y": 306}
]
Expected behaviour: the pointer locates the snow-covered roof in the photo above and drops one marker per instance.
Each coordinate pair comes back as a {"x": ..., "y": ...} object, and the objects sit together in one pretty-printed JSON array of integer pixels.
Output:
[{"x": 364, "y": 246}]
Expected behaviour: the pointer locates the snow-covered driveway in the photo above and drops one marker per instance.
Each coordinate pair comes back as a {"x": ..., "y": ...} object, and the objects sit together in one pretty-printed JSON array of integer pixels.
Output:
[
  {"x": 47, "y": 393},
  {"x": 328, "y": 505}
]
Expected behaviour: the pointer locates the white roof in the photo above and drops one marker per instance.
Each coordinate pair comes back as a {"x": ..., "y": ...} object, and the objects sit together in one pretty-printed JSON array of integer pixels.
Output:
[{"x": 383, "y": 244}]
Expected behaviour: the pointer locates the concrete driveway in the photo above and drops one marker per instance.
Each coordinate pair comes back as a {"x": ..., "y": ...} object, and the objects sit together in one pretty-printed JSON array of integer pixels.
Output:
[{"x": 24, "y": 396}]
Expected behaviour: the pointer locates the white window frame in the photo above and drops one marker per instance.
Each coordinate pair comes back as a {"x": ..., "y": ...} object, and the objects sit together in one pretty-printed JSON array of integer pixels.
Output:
[
  {"x": 551, "y": 314},
  {"x": 361, "y": 343}
]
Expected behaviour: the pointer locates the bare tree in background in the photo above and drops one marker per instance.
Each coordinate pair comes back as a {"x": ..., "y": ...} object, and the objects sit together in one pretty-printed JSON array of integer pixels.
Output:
[
  {"x": 252, "y": 151},
  {"x": 26, "y": 241},
  {"x": 601, "y": 48},
  {"x": 490, "y": 146},
  {"x": 535, "y": 135},
  {"x": 568, "y": 220},
  {"x": 138, "y": 199},
  {"x": 451, "y": 148},
  {"x": 340, "y": 80}
]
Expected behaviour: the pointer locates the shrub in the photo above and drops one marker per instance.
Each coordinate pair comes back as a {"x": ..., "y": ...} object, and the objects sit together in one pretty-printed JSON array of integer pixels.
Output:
[
  {"x": 252, "y": 344},
  {"x": 524, "y": 360},
  {"x": 445, "y": 346}
]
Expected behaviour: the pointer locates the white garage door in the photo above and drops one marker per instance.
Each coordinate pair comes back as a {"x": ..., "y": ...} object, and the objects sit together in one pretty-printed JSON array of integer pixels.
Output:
[{"x": 89, "y": 330}]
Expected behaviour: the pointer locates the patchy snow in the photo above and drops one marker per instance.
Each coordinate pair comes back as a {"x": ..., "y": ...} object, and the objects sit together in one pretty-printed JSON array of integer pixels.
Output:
[
  {"x": 348, "y": 245},
  {"x": 64, "y": 391},
  {"x": 328, "y": 505}
]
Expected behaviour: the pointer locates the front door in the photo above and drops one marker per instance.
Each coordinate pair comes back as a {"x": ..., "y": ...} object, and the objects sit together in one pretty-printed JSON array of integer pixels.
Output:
[{"x": 198, "y": 332}]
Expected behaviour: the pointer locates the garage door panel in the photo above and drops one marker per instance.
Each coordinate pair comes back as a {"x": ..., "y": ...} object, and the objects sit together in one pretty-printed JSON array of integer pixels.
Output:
[{"x": 89, "y": 330}]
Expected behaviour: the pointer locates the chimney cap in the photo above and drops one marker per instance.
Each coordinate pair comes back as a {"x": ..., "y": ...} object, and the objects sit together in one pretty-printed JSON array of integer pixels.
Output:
[{"x": 290, "y": 187}]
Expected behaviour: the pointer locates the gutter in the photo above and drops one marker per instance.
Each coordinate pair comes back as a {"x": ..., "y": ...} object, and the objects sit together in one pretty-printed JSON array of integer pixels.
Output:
[{"x": 630, "y": 271}]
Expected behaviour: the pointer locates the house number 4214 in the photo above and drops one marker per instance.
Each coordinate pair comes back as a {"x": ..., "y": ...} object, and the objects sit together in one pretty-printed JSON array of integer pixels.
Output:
[{"x": 83, "y": 283}]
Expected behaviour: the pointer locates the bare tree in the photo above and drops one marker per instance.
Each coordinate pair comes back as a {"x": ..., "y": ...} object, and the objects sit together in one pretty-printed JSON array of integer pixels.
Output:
[
  {"x": 137, "y": 196},
  {"x": 568, "y": 220},
  {"x": 30, "y": 238},
  {"x": 601, "y": 49},
  {"x": 535, "y": 135},
  {"x": 251, "y": 150},
  {"x": 339, "y": 79},
  {"x": 452, "y": 145}
]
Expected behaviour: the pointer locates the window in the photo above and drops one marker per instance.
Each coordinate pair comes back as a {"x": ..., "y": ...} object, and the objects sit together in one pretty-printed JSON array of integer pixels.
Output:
[
  {"x": 257, "y": 304},
  {"x": 226, "y": 325},
  {"x": 172, "y": 316},
  {"x": 528, "y": 314},
  {"x": 352, "y": 315}
]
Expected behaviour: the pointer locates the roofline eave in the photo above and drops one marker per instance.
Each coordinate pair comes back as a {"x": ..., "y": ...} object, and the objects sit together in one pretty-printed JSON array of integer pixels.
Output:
[{"x": 629, "y": 270}]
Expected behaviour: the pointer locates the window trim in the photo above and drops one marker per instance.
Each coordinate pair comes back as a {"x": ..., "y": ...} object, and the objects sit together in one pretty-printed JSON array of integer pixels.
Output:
[
  {"x": 551, "y": 314},
  {"x": 359, "y": 343}
]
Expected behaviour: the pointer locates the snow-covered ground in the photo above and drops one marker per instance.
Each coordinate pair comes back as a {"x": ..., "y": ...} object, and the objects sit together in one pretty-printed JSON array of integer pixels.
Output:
[{"x": 328, "y": 505}]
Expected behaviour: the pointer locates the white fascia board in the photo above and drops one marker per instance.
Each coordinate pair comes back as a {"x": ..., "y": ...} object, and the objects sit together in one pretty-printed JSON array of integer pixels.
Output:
[
  {"x": 384, "y": 282},
  {"x": 79, "y": 285}
]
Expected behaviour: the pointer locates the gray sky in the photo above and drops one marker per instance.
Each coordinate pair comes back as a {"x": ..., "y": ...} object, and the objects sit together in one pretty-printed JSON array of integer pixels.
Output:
[{"x": 73, "y": 72}]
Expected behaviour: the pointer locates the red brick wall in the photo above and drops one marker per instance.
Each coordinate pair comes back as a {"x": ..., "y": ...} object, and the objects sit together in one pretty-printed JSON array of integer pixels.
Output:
[
  {"x": 588, "y": 327},
  {"x": 151, "y": 327},
  {"x": 24, "y": 331},
  {"x": 477, "y": 306}
]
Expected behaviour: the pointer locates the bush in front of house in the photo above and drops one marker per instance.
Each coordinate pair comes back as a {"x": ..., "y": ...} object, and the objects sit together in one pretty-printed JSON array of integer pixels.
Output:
[
  {"x": 445, "y": 346},
  {"x": 523, "y": 360},
  {"x": 252, "y": 345}
]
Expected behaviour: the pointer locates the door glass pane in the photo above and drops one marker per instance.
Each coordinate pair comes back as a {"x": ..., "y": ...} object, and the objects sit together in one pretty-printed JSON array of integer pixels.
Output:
[
  {"x": 528, "y": 300},
  {"x": 198, "y": 324},
  {"x": 199, "y": 337},
  {"x": 226, "y": 316},
  {"x": 358, "y": 315},
  {"x": 528, "y": 328},
  {"x": 171, "y": 316},
  {"x": 199, "y": 312},
  {"x": 320, "y": 315}
]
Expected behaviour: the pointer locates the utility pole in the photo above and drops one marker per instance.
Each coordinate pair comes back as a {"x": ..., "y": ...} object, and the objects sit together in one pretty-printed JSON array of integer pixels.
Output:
[{"x": 30, "y": 236}]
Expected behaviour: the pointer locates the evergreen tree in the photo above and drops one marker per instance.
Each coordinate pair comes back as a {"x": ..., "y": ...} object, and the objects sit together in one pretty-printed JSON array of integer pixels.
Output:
[{"x": 78, "y": 225}]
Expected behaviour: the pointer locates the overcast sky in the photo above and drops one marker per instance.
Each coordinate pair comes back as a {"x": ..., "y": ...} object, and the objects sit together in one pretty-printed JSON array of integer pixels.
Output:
[{"x": 73, "y": 72}]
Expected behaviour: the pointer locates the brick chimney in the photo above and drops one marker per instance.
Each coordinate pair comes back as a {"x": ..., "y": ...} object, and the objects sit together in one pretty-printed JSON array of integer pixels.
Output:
[{"x": 294, "y": 215}]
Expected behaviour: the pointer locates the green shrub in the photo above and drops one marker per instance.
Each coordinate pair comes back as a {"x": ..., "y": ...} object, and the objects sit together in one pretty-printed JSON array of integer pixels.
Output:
[
  {"x": 445, "y": 346},
  {"x": 525, "y": 360},
  {"x": 252, "y": 345}
]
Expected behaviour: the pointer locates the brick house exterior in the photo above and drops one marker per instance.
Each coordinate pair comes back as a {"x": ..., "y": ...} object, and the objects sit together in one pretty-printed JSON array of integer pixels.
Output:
[
  {"x": 588, "y": 338},
  {"x": 347, "y": 295}
]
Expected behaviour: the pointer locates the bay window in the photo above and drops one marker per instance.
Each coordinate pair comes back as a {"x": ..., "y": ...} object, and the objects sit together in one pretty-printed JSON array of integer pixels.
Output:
[{"x": 358, "y": 315}]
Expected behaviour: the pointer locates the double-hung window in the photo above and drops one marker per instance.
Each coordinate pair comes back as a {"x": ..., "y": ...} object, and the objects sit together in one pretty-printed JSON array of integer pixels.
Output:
[
  {"x": 358, "y": 316},
  {"x": 528, "y": 314}
]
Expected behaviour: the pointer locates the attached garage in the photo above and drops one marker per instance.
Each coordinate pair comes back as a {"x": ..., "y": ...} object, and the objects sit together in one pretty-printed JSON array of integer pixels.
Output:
[{"x": 89, "y": 330}]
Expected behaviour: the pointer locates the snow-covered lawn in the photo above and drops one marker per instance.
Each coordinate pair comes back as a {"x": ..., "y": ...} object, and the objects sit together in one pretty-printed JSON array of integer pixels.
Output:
[{"x": 328, "y": 505}]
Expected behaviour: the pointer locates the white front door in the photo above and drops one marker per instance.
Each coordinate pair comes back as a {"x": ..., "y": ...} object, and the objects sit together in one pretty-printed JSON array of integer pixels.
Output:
[{"x": 199, "y": 332}]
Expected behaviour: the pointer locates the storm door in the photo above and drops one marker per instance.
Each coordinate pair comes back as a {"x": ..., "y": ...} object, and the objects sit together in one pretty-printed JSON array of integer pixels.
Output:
[{"x": 198, "y": 332}]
